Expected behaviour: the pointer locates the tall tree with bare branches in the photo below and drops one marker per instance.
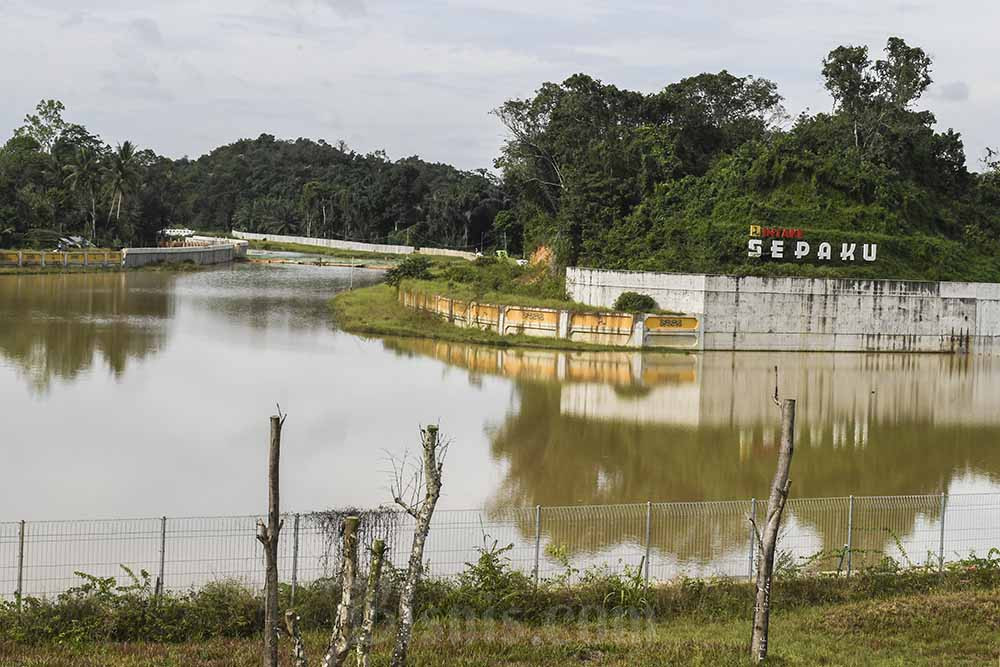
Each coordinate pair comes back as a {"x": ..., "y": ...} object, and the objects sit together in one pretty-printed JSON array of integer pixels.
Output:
[{"x": 417, "y": 494}]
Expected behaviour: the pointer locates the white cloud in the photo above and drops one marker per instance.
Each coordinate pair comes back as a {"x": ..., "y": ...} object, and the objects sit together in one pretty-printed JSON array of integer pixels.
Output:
[{"x": 420, "y": 78}]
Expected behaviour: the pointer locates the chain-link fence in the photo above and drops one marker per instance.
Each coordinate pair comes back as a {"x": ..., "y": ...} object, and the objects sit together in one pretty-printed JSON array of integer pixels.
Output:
[{"x": 661, "y": 540}]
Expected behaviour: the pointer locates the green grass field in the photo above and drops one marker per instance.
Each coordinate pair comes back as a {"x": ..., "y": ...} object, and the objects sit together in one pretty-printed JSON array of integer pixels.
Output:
[{"x": 953, "y": 628}]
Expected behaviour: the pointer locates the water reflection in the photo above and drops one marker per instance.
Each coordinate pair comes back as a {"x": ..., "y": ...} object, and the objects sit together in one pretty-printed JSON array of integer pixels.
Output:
[
  {"x": 52, "y": 326},
  {"x": 601, "y": 428}
]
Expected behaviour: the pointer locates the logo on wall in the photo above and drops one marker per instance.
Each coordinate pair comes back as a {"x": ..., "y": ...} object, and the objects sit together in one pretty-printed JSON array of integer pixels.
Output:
[{"x": 785, "y": 243}]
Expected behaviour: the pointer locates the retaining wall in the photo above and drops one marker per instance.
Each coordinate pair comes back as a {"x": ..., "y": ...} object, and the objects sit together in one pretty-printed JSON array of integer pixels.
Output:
[
  {"x": 751, "y": 313},
  {"x": 599, "y": 328},
  {"x": 355, "y": 245},
  {"x": 51, "y": 258},
  {"x": 240, "y": 246},
  {"x": 216, "y": 254}
]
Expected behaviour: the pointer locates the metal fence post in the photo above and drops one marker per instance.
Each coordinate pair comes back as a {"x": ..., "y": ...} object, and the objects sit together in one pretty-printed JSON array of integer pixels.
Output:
[
  {"x": 753, "y": 536},
  {"x": 850, "y": 532},
  {"x": 538, "y": 539},
  {"x": 649, "y": 522},
  {"x": 295, "y": 558},
  {"x": 944, "y": 506},
  {"x": 163, "y": 551},
  {"x": 20, "y": 565}
]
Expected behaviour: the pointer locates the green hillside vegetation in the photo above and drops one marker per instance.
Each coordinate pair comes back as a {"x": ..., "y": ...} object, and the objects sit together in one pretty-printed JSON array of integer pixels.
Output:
[{"x": 57, "y": 178}]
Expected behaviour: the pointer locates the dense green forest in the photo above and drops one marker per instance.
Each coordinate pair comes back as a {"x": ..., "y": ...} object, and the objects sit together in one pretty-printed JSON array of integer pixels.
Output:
[
  {"x": 605, "y": 176},
  {"x": 56, "y": 178}
]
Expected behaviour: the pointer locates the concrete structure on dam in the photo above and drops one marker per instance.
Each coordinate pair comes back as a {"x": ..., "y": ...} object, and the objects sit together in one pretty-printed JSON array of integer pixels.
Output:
[{"x": 813, "y": 314}]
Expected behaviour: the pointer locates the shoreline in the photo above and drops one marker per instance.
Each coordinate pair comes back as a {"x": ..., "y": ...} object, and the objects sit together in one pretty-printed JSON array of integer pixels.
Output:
[
  {"x": 376, "y": 311},
  {"x": 181, "y": 267}
]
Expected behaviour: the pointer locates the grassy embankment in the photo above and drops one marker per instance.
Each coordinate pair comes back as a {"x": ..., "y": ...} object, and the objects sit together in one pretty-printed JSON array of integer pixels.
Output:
[
  {"x": 176, "y": 267},
  {"x": 912, "y": 619},
  {"x": 376, "y": 310},
  {"x": 348, "y": 257}
]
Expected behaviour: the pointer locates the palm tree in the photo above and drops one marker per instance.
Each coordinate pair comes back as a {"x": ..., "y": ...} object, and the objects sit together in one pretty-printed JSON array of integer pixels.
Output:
[
  {"x": 124, "y": 174},
  {"x": 84, "y": 175}
]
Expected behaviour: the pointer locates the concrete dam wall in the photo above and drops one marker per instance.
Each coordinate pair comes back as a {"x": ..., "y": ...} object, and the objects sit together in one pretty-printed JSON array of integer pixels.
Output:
[{"x": 815, "y": 314}]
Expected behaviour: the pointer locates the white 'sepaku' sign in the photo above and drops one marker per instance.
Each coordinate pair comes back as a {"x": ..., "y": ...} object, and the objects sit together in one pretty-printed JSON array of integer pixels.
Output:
[{"x": 798, "y": 248}]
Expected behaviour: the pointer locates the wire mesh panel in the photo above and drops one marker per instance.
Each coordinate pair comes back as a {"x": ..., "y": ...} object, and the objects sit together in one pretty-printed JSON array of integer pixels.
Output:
[
  {"x": 814, "y": 533},
  {"x": 55, "y": 550},
  {"x": 8, "y": 558},
  {"x": 199, "y": 550},
  {"x": 456, "y": 536},
  {"x": 700, "y": 539},
  {"x": 589, "y": 536},
  {"x": 903, "y": 528},
  {"x": 971, "y": 525}
]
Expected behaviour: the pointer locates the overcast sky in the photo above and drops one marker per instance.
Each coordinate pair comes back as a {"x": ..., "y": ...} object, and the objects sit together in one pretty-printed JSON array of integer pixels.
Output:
[{"x": 420, "y": 77}]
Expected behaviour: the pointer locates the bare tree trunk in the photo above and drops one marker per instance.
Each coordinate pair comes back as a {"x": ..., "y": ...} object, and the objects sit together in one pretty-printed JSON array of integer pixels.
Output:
[
  {"x": 371, "y": 601},
  {"x": 268, "y": 536},
  {"x": 298, "y": 646},
  {"x": 422, "y": 513},
  {"x": 340, "y": 639},
  {"x": 775, "y": 505}
]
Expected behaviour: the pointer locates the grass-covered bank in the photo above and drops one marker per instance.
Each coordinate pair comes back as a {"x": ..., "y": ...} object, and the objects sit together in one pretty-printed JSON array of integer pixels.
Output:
[
  {"x": 493, "y": 616},
  {"x": 342, "y": 254},
  {"x": 376, "y": 311},
  {"x": 172, "y": 267}
]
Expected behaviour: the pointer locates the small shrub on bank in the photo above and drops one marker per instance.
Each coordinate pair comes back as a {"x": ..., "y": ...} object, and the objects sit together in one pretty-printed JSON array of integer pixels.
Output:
[
  {"x": 417, "y": 267},
  {"x": 633, "y": 302}
]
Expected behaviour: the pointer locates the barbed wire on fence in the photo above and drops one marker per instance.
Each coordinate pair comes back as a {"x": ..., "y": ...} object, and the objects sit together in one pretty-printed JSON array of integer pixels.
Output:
[{"x": 691, "y": 539}]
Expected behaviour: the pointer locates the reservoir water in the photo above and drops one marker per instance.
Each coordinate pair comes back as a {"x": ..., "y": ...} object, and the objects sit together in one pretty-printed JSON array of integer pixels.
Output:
[{"x": 148, "y": 393}]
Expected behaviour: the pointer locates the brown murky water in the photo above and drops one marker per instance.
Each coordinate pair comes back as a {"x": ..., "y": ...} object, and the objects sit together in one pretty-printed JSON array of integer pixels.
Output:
[{"x": 148, "y": 394}]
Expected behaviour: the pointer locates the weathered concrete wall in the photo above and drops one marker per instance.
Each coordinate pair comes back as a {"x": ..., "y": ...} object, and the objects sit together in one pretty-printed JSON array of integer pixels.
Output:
[
  {"x": 355, "y": 245},
  {"x": 199, "y": 255},
  {"x": 753, "y": 313},
  {"x": 240, "y": 246},
  {"x": 598, "y": 328}
]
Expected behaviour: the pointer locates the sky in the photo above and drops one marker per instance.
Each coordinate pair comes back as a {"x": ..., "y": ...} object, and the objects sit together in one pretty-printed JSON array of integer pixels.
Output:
[{"x": 420, "y": 78}]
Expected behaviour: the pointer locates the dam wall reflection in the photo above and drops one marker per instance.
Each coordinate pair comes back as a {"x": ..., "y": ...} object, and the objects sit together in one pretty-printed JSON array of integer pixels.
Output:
[{"x": 845, "y": 392}]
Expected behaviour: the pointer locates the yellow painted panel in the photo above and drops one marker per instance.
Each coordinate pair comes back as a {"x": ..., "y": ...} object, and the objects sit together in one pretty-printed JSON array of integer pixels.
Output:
[
  {"x": 485, "y": 313},
  {"x": 74, "y": 258},
  {"x": 616, "y": 322},
  {"x": 443, "y": 306},
  {"x": 531, "y": 318},
  {"x": 460, "y": 309},
  {"x": 53, "y": 258},
  {"x": 657, "y": 323},
  {"x": 8, "y": 257},
  {"x": 32, "y": 258}
]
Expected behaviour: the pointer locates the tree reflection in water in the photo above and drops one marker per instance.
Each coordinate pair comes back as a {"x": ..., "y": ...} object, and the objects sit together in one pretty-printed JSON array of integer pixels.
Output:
[
  {"x": 52, "y": 325},
  {"x": 618, "y": 427}
]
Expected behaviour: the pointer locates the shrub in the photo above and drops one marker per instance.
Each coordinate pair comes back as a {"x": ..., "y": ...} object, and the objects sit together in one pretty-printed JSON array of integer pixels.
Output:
[
  {"x": 633, "y": 302},
  {"x": 413, "y": 266}
]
